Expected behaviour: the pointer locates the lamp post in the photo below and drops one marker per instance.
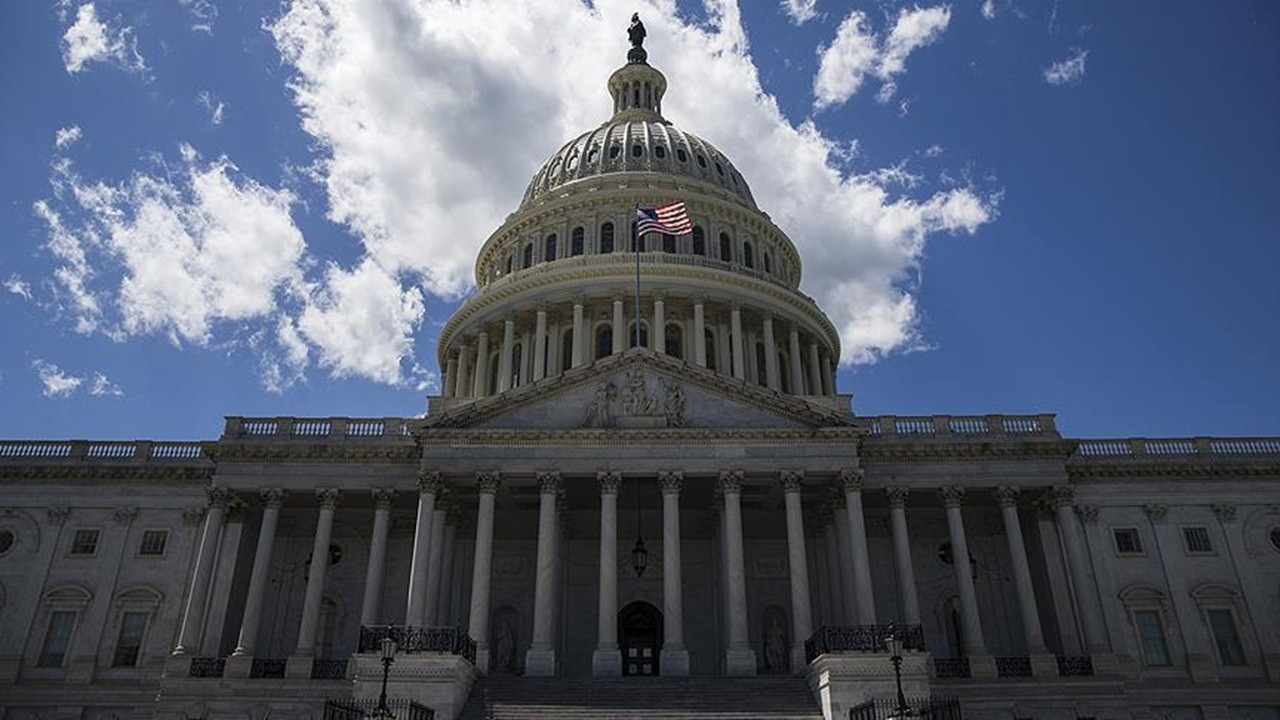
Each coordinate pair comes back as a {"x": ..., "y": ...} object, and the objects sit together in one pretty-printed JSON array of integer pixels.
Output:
[
  {"x": 893, "y": 641},
  {"x": 388, "y": 657}
]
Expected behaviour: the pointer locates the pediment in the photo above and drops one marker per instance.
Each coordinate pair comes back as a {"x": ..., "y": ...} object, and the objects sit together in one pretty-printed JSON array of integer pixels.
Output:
[{"x": 639, "y": 389}]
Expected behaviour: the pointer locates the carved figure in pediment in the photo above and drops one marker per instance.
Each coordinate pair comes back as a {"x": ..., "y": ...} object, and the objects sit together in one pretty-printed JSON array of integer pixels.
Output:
[
  {"x": 637, "y": 402},
  {"x": 599, "y": 412},
  {"x": 673, "y": 404}
]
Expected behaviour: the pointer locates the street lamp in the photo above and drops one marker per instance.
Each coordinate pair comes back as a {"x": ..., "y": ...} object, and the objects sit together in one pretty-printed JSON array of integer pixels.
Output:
[
  {"x": 893, "y": 641},
  {"x": 388, "y": 657}
]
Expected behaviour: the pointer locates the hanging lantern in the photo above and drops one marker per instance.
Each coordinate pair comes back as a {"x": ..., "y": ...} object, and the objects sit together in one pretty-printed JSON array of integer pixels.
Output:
[{"x": 639, "y": 557}]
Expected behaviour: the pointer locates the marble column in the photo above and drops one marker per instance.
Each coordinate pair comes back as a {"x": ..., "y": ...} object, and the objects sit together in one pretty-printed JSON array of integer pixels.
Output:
[
  {"x": 675, "y": 658},
  {"x": 193, "y": 616},
  {"x": 794, "y": 362},
  {"x": 444, "y": 608},
  {"x": 848, "y": 585},
  {"x": 1088, "y": 607},
  {"x": 241, "y": 660},
  {"x": 450, "y": 375},
  {"x": 481, "y": 570},
  {"x": 770, "y": 353},
  {"x": 481, "y": 384},
  {"x": 815, "y": 370},
  {"x": 619, "y": 326},
  {"x": 505, "y": 368},
  {"x": 980, "y": 663},
  {"x": 740, "y": 659},
  {"x": 835, "y": 583},
  {"x": 828, "y": 380},
  {"x": 463, "y": 385},
  {"x": 657, "y": 333},
  {"x": 430, "y": 483},
  {"x": 375, "y": 572},
  {"x": 607, "y": 658},
  {"x": 299, "y": 663},
  {"x": 540, "y": 344},
  {"x": 1042, "y": 662},
  {"x": 699, "y": 332},
  {"x": 739, "y": 356},
  {"x": 579, "y": 333},
  {"x": 907, "y": 593},
  {"x": 540, "y": 660},
  {"x": 798, "y": 563},
  {"x": 864, "y": 593},
  {"x": 435, "y": 555}
]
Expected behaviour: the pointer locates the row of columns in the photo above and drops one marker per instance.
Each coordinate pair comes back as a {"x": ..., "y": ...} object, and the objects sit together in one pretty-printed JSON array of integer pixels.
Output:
[{"x": 807, "y": 362}]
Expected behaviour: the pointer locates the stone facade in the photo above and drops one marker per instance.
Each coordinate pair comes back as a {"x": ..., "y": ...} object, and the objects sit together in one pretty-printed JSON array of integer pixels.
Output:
[{"x": 1048, "y": 577}]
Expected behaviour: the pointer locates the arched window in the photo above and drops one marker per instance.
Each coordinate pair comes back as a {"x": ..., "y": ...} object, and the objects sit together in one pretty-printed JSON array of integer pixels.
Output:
[
  {"x": 668, "y": 243},
  {"x": 614, "y": 150},
  {"x": 681, "y": 155},
  {"x": 637, "y": 150},
  {"x": 604, "y": 341},
  {"x": 784, "y": 373},
  {"x": 527, "y": 259},
  {"x": 748, "y": 258},
  {"x": 510, "y": 261},
  {"x": 576, "y": 241},
  {"x": 699, "y": 241},
  {"x": 493, "y": 373},
  {"x": 517, "y": 351},
  {"x": 606, "y": 238},
  {"x": 726, "y": 248},
  {"x": 660, "y": 151},
  {"x": 566, "y": 351},
  {"x": 673, "y": 339},
  {"x": 762, "y": 369},
  {"x": 549, "y": 248},
  {"x": 768, "y": 262},
  {"x": 709, "y": 340}
]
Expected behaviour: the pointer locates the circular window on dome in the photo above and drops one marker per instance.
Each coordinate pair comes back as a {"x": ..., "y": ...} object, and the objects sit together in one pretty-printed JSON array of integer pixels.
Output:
[
  {"x": 614, "y": 150},
  {"x": 7, "y": 540},
  {"x": 1275, "y": 538},
  {"x": 637, "y": 150},
  {"x": 702, "y": 162},
  {"x": 659, "y": 151},
  {"x": 681, "y": 155}
]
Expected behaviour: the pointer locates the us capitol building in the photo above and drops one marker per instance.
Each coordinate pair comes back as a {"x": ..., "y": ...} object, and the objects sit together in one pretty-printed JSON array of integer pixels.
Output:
[{"x": 585, "y": 504}]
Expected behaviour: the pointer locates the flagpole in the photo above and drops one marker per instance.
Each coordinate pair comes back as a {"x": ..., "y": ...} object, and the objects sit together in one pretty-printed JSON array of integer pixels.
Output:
[{"x": 639, "y": 239}]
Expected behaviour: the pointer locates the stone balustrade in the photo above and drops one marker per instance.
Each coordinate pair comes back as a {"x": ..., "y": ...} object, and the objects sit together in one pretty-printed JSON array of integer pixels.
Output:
[
  {"x": 333, "y": 428},
  {"x": 1180, "y": 448},
  {"x": 44, "y": 451},
  {"x": 962, "y": 426}
]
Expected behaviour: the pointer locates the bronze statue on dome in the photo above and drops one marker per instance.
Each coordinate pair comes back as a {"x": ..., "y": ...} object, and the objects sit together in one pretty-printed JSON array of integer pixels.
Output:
[{"x": 636, "y": 34}]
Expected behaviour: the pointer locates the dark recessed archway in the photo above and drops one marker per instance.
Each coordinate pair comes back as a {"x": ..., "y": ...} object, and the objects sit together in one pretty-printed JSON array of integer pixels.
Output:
[{"x": 640, "y": 638}]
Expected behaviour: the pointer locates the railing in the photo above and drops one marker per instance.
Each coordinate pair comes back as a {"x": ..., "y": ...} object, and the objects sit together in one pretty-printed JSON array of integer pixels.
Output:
[
  {"x": 207, "y": 667},
  {"x": 361, "y": 709},
  {"x": 334, "y": 428},
  {"x": 1202, "y": 447},
  {"x": 1007, "y": 667},
  {"x": 1075, "y": 665},
  {"x": 267, "y": 668},
  {"x": 951, "y": 667},
  {"x": 885, "y": 708},
  {"x": 963, "y": 426},
  {"x": 628, "y": 259},
  {"x": 859, "y": 638},
  {"x": 328, "y": 669},
  {"x": 451, "y": 640},
  {"x": 85, "y": 451}
]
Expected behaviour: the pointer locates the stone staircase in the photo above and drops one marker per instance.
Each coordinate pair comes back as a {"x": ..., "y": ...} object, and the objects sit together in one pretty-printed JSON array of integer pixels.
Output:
[{"x": 641, "y": 698}]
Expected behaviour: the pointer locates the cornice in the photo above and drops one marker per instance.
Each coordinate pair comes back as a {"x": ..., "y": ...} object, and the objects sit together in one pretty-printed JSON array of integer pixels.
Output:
[
  {"x": 335, "y": 451},
  {"x": 651, "y": 436},
  {"x": 189, "y": 474},
  {"x": 1190, "y": 469},
  {"x": 877, "y": 450}
]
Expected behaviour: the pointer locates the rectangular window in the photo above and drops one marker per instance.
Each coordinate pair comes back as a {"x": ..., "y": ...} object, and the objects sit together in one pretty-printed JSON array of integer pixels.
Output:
[
  {"x": 57, "y": 638},
  {"x": 1127, "y": 541},
  {"x": 153, "y": 542},
  {"x": 85, "y": 542},
  {"x": 132, "y": 626},
  {"x": 1197, "y": 539},
  {"x": 1225, "y": 636},
  {"x": 1151, "y": 633}
]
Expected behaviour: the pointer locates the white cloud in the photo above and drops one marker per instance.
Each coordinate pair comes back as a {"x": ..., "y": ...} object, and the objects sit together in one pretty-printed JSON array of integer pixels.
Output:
[
  {"x": 203, "y": 13},
  {"x": 856, "y": 53},
  {"x": 73, "y": 274},
  {"x": 89, "y": 39},
  {"x": 1067, "y": 72},
  {"x": 16, "y": 285},
  {"x": 211, "y": 103},
  {"x": 66, "y": 137},
  {"x": 102, "y": 387},
  {"x": 988, "y": 9},
  {"x": 933, "y": 151},
  {"x": 418, "y": 109},
  {"x": 800, "y": 11},
  {"x": 56, "y": 383}
]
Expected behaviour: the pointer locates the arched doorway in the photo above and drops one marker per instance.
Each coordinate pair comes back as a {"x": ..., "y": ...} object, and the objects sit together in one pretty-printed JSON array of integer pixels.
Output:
[{"x": 640, "y": 638}]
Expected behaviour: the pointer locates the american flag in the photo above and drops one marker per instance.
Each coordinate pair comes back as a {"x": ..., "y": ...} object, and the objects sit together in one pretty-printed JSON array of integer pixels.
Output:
[{"x": 670, "y": 219}]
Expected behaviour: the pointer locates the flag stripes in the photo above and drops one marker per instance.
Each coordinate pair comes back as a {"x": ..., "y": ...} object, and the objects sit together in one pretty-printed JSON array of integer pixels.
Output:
[{"x": 670, "y": 219}]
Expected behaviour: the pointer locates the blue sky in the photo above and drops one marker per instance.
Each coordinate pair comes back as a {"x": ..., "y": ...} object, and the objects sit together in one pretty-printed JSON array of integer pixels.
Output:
[{"x": 267, "y": 212}]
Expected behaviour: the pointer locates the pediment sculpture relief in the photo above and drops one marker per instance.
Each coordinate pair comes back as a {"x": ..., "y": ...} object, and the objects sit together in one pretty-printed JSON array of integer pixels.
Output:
[{"x": 638, "y": 403}]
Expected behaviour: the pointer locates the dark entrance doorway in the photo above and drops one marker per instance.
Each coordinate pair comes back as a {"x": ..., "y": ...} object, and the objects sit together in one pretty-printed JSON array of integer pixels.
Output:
[{"x": 640, "y": 638}]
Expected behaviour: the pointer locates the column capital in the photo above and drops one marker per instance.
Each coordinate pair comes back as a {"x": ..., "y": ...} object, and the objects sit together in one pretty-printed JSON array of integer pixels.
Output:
[
  {"x": 608, "y": 480},
  {"x": 218, "y": 497},
  {"x": 897, "y": 495},
  {"x": 541, "y": 308},
  {"x": 1087, "y": 513},
  {"x": 731, "y": 480},
  {"x": 1007, "y": 495},
  {"x": 488, "y": 482},
  {"x": 579, "y": 300},
  {"x": 235, "y": 511},
  {"x": 671, "y": 481},
  {"x": 383, "y": 497},
  {"x": 549, "y": 482},
  {"x": 190, "y": 515},
  {"x": 1226, "y": 512},
  {"x": 700, "y": 300},
  {"x": 1155, "y": 511},
  {"x": 328, "y": 497},
  {"x": 951, "y": 495},
  {"x": 850, "y": 479},
  {"x": 272, "y": 497},
  {"x": 1060, "y": 495},
  {"x": 430, "y": 482},
  {"x": 792, "y": 481}
]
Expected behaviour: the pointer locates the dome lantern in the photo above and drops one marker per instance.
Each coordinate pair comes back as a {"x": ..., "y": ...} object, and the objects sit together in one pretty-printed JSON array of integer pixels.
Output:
[{"x": 637, "y": 87}]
